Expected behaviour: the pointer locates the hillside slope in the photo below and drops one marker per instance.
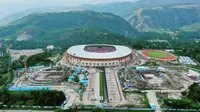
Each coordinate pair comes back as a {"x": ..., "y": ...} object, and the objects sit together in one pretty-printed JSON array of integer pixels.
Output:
[
  {"x": 123, "y": 9},
  {"x": 51, "y": 27},
  {"x": 168, "y": 17}
]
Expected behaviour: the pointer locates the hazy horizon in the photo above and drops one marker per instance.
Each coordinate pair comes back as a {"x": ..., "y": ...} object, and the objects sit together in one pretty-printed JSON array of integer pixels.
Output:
[{"x": 8, "y": 7}]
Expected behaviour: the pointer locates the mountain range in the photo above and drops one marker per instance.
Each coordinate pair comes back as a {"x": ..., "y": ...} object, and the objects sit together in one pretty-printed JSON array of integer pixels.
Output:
[
  {"x": 180, "y": 17},
  {"x": 65, "y": 26},
  {"x": 123, "y": 9},
  {"x": 106, "y": 23}
]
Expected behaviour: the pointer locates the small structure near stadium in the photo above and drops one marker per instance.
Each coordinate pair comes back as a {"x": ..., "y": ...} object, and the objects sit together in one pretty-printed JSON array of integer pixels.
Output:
[
  {"x": 98, "y": 55},
  {"x": 48, "y": 75}
]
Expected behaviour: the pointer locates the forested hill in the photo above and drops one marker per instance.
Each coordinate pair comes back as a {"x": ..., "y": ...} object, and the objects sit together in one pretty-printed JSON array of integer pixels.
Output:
[
  {"x": 168, "y": 17},
  {"x": 123, "y": 9},
  {"x": 39, "y": 30},
  {"x": 39, "y": 25}
]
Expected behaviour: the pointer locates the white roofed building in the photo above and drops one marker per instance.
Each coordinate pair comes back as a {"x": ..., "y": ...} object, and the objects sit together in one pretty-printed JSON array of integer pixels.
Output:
[
  {"x": 99, "y": 55},
  {"x": 50, "y": 47}
]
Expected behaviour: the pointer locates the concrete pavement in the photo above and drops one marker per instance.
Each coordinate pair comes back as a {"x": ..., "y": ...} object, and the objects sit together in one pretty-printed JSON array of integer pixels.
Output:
[{"x": 153, "y": 100}]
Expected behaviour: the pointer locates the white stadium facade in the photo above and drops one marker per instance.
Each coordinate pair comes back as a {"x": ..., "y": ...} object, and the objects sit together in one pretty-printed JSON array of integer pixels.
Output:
[{"x": 99, "y": 55}]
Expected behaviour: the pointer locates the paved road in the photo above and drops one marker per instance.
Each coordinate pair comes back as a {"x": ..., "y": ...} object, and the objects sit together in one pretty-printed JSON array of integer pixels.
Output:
[
  {"x": 124, "y": 101},
  {"x": 153, "y": 100},
  {"x": 105, "y": 86}
]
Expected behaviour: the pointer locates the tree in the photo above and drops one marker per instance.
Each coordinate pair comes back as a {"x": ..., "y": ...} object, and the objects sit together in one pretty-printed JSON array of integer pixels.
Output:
[
  {"x": 81, "y": 86},
  {"x": 76, "y": 79},
  {"x": 60, "y": 110},
  {"x": 98, "y": 110},
  {"x": 198, "y": 57},
  {"x": 67, "y": 78},
  {"x": 194, "y": 92}
]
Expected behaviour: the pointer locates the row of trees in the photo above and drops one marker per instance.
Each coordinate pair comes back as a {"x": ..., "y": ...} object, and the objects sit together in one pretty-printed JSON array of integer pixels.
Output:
[
  {"x": 4, "y": 61},
  {"x": 32, "y": 98},
  {"x": 38, "y": 59},
  {"x": 184, "y": 44},
  {"x": 192, "y": 97}
]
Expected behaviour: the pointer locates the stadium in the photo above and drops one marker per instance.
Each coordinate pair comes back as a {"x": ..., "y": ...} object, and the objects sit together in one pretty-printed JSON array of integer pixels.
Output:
[
  {"x": 158, "y": 55},
  {"x": 99, "y": 55}
]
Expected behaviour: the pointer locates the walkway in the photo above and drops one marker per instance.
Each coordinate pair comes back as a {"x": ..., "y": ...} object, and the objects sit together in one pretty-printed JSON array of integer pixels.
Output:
[
  {"x": 113, "y": 90},
  {"x": 105, "y": 90},
  {"x": 153, "y": 100}
]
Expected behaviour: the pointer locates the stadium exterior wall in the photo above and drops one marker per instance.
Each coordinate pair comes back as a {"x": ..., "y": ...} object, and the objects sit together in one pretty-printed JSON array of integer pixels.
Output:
[
  {"x": 122, "y": 56},
  {"x": 98, "y": 62}
]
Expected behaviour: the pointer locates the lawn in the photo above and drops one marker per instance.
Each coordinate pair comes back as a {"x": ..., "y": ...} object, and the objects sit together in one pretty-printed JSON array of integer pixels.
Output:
[
  {"x": 157, "y": 54},
  {"x": 101, "y": 83}
]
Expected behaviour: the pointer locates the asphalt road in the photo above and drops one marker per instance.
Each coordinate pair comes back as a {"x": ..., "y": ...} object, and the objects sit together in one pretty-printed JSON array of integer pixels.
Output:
[{"x": 105, "y": 86}]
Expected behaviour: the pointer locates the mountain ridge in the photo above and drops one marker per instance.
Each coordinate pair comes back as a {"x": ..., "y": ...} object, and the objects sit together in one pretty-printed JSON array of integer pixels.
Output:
[
  {"x": 123, "y": 9},
  {"x": 168, "y": 17},
  {"x": 43, "y": 25}
]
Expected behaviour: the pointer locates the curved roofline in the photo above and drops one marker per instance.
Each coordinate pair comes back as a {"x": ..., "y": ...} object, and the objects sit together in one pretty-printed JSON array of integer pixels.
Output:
[{"x": 79, "y": 52}]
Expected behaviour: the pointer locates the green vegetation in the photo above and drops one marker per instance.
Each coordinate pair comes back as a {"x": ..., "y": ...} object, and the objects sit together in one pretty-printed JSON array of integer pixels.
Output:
[
  {"x": 101, "y": 84},
  {"x": 32, "y": 98},
  {"x": 123, "y": 9},
  {"x": 49, "y": 27},
  {"x": 192, "y": 97},
  {"x": 6, "y": 74},
  {"x": 144, "y": 100},
  {"x": 3, "y": 79},
  {"x": 40, "y": 59},
  {"x": 192, "y": 28},
  {"x": 76, "y": 79},
  {"x": 158, "y": 54},
  {"x": 6, "y": 78},
  {"x": 4, "y": 60},
  {"x": 35, "y": 60},
  {"x": 187, "y": 48},
  {"x": 155, "y": 18},
  {"x": 101, "y": 110},
  {"x": 52, "y": 29},
  {"x": 196, "y": 67}
]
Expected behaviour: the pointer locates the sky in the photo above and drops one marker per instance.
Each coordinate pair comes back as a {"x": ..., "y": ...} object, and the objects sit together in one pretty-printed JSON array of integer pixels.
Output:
[{"x": 8, "y": 7}]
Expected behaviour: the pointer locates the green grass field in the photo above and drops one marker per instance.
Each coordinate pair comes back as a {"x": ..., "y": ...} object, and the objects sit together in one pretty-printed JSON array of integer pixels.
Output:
[
  {"x": 101, "y": 83},
  {"x": 157, "y": 54}
]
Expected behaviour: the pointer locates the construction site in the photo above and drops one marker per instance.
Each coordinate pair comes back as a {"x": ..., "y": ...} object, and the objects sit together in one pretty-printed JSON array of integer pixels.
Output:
[
  {"x": 135, "y": 85},
  {"x": 156, "y": 78}
]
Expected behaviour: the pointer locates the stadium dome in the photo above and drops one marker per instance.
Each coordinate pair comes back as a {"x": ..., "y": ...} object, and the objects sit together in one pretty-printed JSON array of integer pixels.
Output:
[{"x": 98, "y": 55}]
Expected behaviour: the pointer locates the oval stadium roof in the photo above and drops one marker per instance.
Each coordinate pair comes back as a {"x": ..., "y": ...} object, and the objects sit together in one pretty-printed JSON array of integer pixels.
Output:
[{"x": 78, "y": 51}]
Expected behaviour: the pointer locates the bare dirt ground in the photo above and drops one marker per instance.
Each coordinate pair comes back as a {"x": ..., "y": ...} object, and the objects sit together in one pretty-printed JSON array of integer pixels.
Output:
[
  {"x": 135, "y": 99},
  {"x": 89, "y": 94},
  {"x": 172, "y": 79},
  {"x": 23, "y": 36},
  {"x": 15, "y": 54}
]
